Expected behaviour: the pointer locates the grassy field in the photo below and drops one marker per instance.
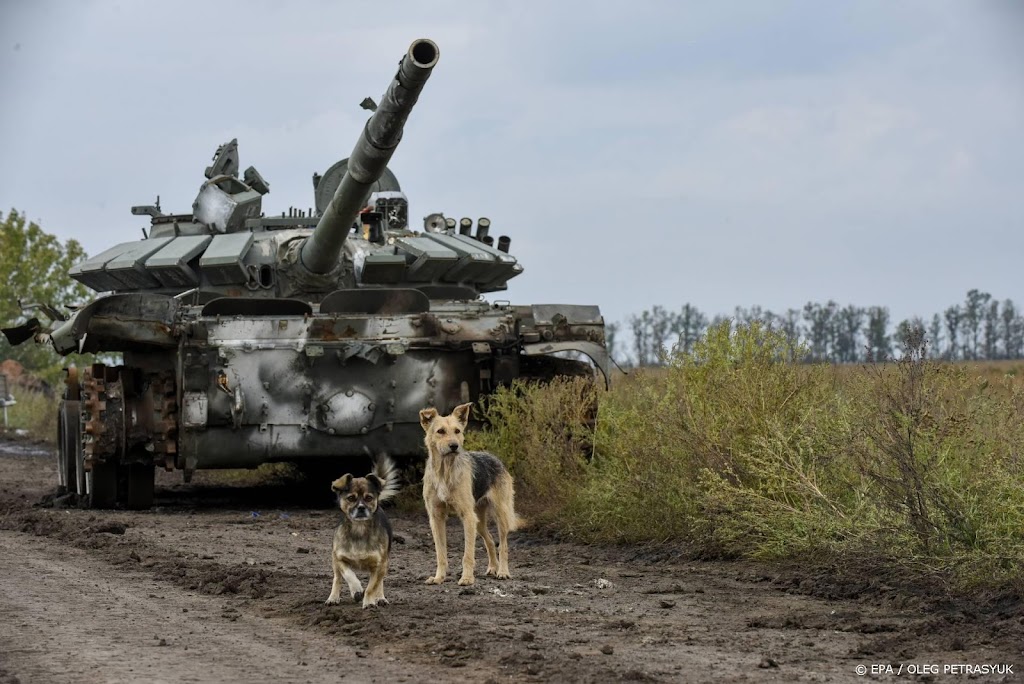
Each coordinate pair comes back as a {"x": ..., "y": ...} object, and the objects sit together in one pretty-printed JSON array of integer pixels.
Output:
[{"x": 910, "y": 469}]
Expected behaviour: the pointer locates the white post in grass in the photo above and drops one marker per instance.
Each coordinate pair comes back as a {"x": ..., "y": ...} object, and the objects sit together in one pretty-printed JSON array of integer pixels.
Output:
[{"x": 5, "y": 398}]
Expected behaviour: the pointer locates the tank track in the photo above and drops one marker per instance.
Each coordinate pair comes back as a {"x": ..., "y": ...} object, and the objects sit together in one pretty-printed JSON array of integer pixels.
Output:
[{"x": 128, "y": 425}]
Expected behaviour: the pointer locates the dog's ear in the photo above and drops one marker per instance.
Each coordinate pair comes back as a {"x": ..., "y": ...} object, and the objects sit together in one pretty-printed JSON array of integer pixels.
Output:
[
  {"x": 461, "y": 413},
  {"x": 342, "y": 484},
  {"x": 427, "y": 415},
  {"x": 376, "y": 484}
]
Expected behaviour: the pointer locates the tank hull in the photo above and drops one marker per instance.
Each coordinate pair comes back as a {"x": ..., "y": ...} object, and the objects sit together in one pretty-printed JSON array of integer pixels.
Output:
[{"x": 227, "y": 384}]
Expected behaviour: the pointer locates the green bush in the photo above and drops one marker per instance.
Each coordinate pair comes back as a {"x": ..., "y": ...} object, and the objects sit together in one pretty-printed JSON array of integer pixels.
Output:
[
  {"x": 737, "y": 449},
  {"x": 728, "y": 449}
]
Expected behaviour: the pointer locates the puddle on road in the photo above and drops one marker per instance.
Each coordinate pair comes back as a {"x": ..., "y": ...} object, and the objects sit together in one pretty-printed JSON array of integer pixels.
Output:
[{"x": 16, "y": 448}]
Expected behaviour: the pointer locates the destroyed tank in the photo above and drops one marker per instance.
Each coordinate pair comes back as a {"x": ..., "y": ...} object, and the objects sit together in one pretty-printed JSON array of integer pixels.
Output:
[{"x": 310, "y": 337}]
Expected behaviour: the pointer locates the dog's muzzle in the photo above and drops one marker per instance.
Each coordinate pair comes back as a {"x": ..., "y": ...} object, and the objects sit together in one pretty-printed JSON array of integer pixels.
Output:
[
  {"x": 453, "y": 446},
  {"x": 360, "y": 512}
]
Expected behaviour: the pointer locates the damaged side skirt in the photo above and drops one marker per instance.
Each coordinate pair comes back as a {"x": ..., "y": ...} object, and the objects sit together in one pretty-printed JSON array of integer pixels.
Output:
[{"x": 119, "y": 322}]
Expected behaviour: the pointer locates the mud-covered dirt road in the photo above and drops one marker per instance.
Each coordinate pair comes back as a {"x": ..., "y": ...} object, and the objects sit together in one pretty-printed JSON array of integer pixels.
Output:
[{"x": 223, "y": 584}]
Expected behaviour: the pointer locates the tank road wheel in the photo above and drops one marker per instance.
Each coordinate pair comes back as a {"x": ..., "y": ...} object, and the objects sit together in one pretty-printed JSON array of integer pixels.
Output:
[
  {"x": 101, "y": 482},
  {"x": 79, "y": 482},
  {"x": 120, "y": 470},
  {"x": 109, "y": 485},
  {"x": 68, "y": 444},
  {"x": 102, "y": 399},
  {"x": 69, "y": 432},
  {"x": 139, "y": 483}
]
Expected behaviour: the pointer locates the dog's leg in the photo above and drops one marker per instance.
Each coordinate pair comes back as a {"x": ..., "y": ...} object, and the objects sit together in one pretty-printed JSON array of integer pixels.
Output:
[
  {"x": 355, "y": 587},
  {"x": 375, "y": 587},
  {"x": 503, "y": 527},
  {"x": 504, "y": 513},
  {"x": 469, "y": 520},
  {"x": 438, "y": 517},
  {"x": 482, "y": 509},
  {"x": 335, "y": 596}
]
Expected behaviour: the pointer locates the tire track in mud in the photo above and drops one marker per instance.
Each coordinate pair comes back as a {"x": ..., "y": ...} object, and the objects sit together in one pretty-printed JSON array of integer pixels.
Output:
[{"x": 66, "y": 617}]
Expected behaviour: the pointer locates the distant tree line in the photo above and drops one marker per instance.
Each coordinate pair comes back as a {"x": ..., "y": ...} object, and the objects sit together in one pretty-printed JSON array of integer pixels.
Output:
[{"x": 981, "y": 327}]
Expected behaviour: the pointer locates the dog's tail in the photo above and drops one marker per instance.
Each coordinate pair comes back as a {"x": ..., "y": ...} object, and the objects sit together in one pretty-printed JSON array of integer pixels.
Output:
[
  {"x": 387, "y": 471},
  {"x": 518, "y": 522}
]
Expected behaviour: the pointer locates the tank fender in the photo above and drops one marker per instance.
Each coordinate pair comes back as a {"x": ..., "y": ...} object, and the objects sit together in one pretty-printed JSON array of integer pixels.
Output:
[
  {"x": 597, "y": 353},
  {"x": 119, "y": 321}
]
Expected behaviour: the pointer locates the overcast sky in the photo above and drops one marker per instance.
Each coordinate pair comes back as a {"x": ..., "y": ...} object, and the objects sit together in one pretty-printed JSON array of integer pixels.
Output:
[{"x": 637, "y": 153}]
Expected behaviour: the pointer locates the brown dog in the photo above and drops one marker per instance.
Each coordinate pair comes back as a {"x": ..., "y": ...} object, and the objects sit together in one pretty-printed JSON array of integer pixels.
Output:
[
  {"x": 475, "y": 485},
  {"x": 363, "y": 539}
]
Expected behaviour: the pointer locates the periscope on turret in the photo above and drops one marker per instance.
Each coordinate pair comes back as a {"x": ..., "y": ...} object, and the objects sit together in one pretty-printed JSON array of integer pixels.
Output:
[{"x": 315, "y": 336}]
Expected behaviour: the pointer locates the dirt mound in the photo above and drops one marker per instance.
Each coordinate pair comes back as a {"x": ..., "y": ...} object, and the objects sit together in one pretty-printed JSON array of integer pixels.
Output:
[{"x": 58, "y": 498}]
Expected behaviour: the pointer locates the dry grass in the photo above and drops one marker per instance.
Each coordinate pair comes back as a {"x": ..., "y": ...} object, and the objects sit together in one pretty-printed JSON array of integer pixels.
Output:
[
  {"x": 36, "y": 414},
  {"x": 912, "y": 467}
]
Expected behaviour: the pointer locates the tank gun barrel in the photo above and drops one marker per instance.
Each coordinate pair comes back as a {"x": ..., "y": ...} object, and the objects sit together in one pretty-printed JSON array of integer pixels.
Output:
[{"x": 369, "y": 157}]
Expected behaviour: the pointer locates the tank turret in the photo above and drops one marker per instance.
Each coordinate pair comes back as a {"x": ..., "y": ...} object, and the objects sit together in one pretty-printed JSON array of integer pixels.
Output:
[{"x": 369, "y": 158}]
